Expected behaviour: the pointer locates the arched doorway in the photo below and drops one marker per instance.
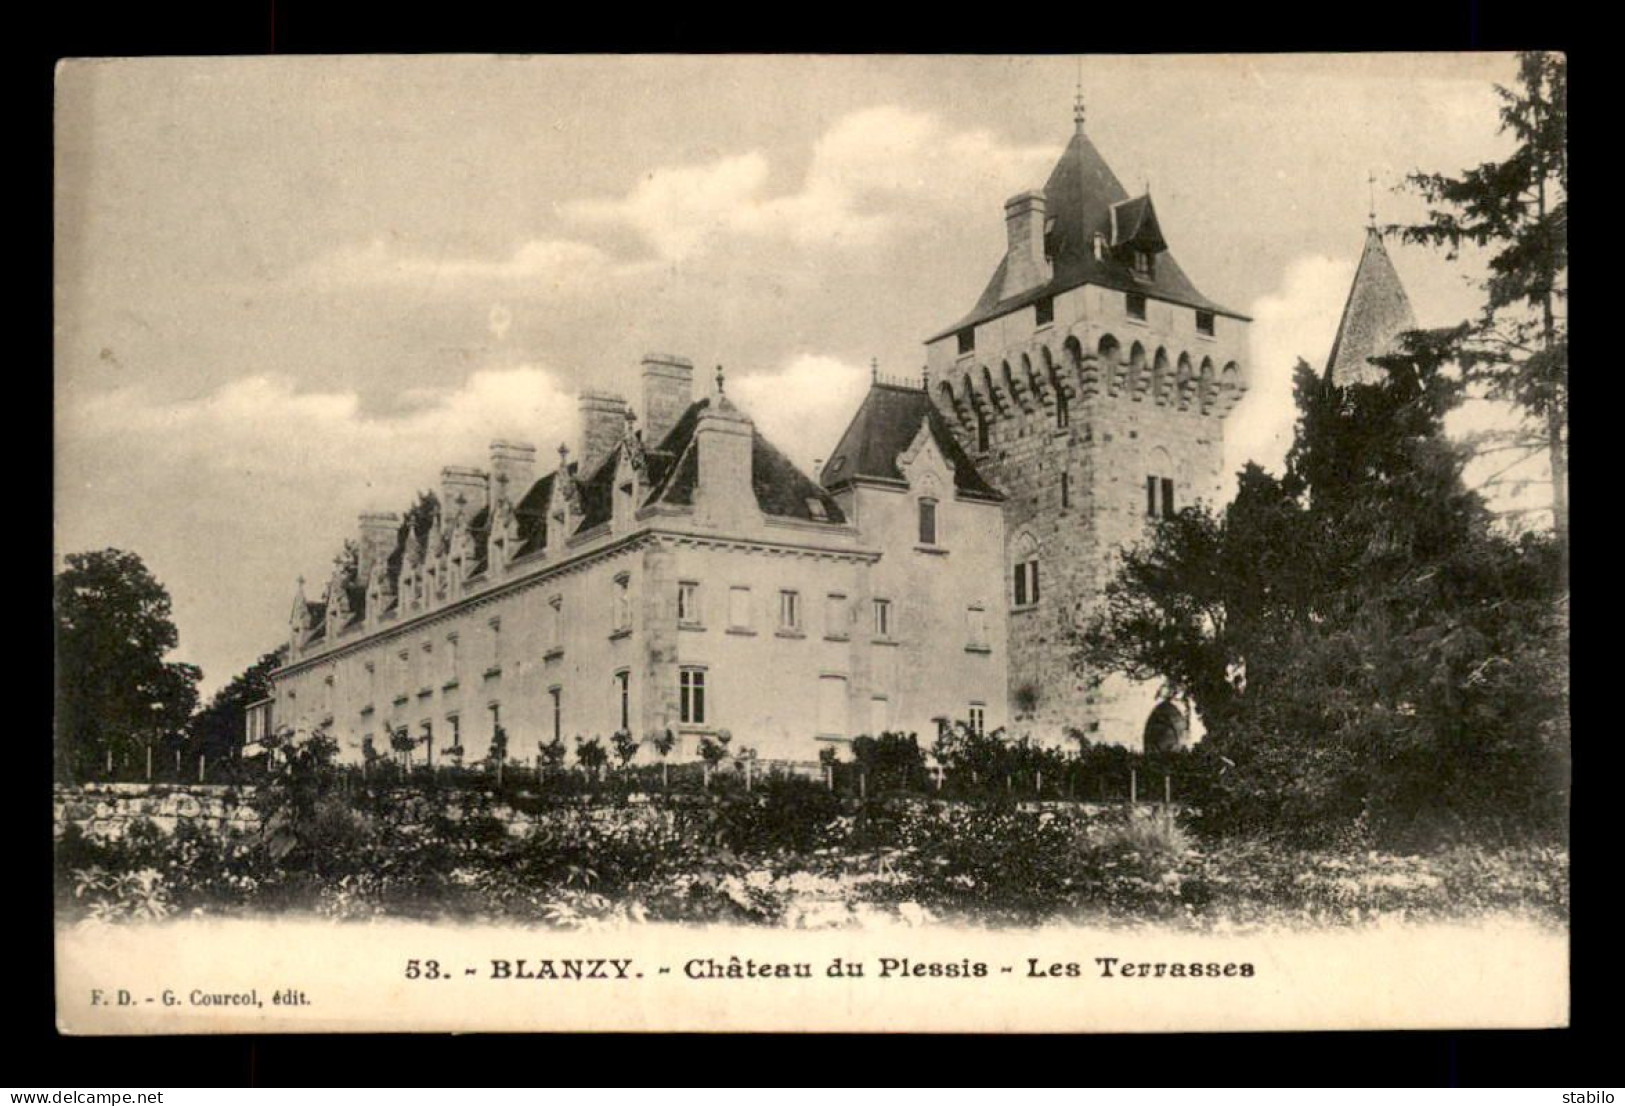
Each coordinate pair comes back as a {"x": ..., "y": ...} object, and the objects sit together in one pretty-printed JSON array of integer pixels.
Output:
[{"x": 1165, "y": 729}]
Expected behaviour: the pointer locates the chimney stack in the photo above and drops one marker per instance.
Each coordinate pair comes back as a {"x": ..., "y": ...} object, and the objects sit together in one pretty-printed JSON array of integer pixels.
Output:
[
  {"x": 513, "y": 471},
  {"x": 1025, "y": 266},
  {"x": 668, "y": 389},
  {"x": 724, "y": 496},
  {"x": 378, "y": 531},
  {"x": 462, "y": 492},
  {"x": 603, "y": 424}
]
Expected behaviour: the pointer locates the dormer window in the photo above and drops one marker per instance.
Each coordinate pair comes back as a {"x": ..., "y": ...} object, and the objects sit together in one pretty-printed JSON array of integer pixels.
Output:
[
  {"x": 1100, "y": 247},
  {"x": 1144, "y": 264}
]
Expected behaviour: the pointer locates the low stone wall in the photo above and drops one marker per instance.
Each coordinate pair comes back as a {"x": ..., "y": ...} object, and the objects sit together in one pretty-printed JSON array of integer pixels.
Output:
[{"x": 106, "y": 810}]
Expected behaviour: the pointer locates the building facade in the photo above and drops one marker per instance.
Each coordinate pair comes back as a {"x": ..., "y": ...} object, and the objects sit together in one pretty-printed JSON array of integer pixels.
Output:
[{"x": 681, "y": 574}]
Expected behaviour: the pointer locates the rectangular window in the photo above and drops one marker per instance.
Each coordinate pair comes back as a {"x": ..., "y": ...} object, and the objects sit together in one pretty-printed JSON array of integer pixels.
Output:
[
  {"x": 1044, "y": 311},
  {"x": 1063, "y": 412},
  {"x": 832, "y": 706},
  {"x": 928, "y": 522},
  {"x": 496, "y": 642},
  {"x": 739, "y": 608},
  {"x": 454, "y": 723},
  {"x": 623, "y": 699},
  {"x": 1144, "y": 264},
  {"x": 1136, "y": 305},
  {"x": 1026, "y": 583},
  {"x": 789, "y": 610},
  {"x": 883, "y": 618},
  {"x": 1167, "y": 498},
  {"x": 1066, "y": 490},
  {"x": 1150, "y": 497},
  {"x": 978, "y": 718},
  {"x": 555, "y": 697},
  {"x": 976, "y": 626},
  {"x": 835, "y": 615},
  {"x": 621, "y": 602},
  {"x": 451, "y": 658},
  {"x": 555, "y": 623},
  {"x": 967, "y": 339},
  {"x": 1204, "y": 323},
  {"x": 691, "y": 696},
  {"x": 879, "y": 716},
  {"x": 688, "y": 603},
  {"x": 496, "y": 723}
]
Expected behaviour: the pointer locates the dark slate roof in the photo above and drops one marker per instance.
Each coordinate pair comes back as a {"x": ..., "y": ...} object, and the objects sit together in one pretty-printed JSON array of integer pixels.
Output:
[
  {"x": 885, "y": 426},
  {"x": 532, "y": 512},
  {"x": 1135, "y": 223},
  {"x": 1376, "y": 313},
  {"x": 1079, "y": 198},
  {"x": 782, "y": 490}
]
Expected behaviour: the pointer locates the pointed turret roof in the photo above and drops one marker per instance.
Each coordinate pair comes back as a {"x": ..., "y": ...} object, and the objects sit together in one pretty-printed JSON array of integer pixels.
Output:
[
  {"x": 1376, "y": 313},
  {"x": 1083, "y": 198}
]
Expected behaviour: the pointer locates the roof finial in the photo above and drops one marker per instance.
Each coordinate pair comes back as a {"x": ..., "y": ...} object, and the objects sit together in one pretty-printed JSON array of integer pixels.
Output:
[
  {"x": 719, "y": 380},
  {"x": 1077, "y": 100},
  {"x": 1371, "y": 215},
  {"x": 874, "y": 370}
]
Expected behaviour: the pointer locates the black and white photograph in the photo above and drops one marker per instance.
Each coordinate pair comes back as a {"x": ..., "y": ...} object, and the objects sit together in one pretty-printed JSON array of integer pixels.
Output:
[{"x": 809, "y": 542}]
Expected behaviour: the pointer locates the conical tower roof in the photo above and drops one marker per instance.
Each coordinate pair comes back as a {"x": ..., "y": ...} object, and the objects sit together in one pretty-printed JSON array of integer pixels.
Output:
[{"x": 1376, "y": 313}]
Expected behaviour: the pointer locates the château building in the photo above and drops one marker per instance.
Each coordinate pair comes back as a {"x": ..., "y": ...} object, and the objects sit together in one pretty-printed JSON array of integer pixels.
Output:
[{"x": 675, "y": 571}]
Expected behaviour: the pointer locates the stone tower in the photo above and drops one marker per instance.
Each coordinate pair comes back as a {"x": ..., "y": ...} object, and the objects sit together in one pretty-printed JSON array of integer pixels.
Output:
[{"x": 1090, "y": 384}]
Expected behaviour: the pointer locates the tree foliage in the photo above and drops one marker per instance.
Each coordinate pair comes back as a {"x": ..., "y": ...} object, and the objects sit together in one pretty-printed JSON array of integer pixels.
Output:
[
  {"x": 115, "y": 693},
  {"x": 1364, "y": 647},
  {"x": 1517, "y": 349},
  {"x": 217, "y": 730}
]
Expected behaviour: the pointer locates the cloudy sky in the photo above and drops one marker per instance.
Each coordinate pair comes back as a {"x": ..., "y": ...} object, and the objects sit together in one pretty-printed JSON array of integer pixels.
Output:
[{"x": 290, "y": 289}]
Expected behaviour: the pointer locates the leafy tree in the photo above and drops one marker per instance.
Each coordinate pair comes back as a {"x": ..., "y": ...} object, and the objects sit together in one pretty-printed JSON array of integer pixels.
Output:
[
  {"x": 217, "y": 730},
  {"x": 626, "y": 747},
  {"x": 1364, "y": 647},
  {"x": 553, "y": 753},
  {"x": 891, "y": 760},
  {"x": 590, "y": 754},
  {"x": 712, "y": 751},
  {"x": 1517, "y": 349},
  {"x": 115, "y": 693}
]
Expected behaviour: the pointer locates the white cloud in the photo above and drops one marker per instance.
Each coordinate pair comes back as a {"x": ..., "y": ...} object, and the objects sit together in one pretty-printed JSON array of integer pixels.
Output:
[
  {"x": 230, "y": 495},
  {"x": 1298, "y": 320},
  {"x": 870, "y": 173},
  {"x": 804, "y": 406},
  {"x": 544, "y": 265}
]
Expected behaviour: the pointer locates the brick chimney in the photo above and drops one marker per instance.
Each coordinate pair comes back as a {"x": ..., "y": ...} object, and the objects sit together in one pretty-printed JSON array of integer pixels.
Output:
[
  {"x": 513, "y": 471},
  {"x": 462, "y": 491},
  {"x": 668, "y": 389},
  {"x": 377, "y": 533},
  {"x": 603, "y": 424},
  {"x": 1025, "y": 266},
  {"x": 724, "y": 496}
]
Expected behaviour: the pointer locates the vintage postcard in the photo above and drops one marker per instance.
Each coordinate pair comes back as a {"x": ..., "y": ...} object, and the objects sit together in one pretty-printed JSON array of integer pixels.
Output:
[{"x": 819, "y": 543}]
